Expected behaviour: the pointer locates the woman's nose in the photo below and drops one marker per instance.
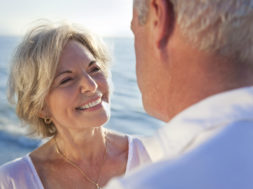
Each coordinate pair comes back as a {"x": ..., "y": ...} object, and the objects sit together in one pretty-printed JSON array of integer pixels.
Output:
[{"x": 88, "y": 84}]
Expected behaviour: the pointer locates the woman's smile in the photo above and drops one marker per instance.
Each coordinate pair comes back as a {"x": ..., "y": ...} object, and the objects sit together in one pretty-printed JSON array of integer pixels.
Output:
[{"x": 90, "y": 104}]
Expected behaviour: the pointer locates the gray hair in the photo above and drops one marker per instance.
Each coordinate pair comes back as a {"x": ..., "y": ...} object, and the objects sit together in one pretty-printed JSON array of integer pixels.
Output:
[
  {"x": 34, "y": 67},
  {"x": 142, "y": 8},
  {"x": 219, "y": 26}
]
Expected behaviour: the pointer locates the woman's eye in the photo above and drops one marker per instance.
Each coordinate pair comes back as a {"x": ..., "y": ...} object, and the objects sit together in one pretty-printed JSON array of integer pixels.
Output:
[
  {"x": 65, "y": 81},
  {"x": 95, "y": 69}
]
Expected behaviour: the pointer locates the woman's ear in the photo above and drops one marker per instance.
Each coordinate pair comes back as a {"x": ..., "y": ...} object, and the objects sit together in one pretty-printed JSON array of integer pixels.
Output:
[
  {"x": 162, "y": 20},
  {"x": 44, "y": 112}
]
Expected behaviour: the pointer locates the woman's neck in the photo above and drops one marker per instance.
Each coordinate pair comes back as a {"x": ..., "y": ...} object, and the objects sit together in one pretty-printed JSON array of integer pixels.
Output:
[{"x": 88, "y": 145}]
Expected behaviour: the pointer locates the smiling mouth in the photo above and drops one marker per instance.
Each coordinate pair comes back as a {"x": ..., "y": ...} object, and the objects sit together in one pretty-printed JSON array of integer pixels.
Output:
[{"x": 90, "y": 104}]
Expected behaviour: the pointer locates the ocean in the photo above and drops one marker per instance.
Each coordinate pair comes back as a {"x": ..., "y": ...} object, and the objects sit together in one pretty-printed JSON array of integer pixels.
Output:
[{"x": 127, "y": 114}]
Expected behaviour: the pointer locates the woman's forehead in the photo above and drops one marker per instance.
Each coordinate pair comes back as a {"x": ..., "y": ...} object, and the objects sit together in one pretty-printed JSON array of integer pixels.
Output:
[
  {"x": 75, "y": 53},
  {"x": 74, "y": 48}
]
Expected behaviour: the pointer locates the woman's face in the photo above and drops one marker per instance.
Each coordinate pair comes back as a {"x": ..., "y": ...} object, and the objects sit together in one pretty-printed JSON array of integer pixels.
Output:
[{"x": 79, "y": 96}]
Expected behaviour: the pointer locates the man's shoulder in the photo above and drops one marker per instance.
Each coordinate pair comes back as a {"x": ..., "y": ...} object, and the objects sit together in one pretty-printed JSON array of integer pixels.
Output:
[{"x": 224, "y": 161}]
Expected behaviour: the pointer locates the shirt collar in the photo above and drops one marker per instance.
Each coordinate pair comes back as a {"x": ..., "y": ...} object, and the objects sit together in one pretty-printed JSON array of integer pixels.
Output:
[{"x": 211, "y": 113}]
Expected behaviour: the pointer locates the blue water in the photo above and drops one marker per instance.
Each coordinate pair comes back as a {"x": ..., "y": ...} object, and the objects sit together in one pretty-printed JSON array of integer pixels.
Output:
[{"x": 127, "y": 114}]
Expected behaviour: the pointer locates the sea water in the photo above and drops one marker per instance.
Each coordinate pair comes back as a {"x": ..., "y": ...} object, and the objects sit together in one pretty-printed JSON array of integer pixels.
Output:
[{"x": 127, "y": 114}]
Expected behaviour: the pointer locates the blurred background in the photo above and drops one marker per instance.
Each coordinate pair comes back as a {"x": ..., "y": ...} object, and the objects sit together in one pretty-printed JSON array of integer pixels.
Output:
[{"x": 109, "y": 19}]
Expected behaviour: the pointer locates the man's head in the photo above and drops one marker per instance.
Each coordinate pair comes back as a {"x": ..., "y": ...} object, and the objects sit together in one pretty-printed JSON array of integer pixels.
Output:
[{"x": 171, "y": 35}]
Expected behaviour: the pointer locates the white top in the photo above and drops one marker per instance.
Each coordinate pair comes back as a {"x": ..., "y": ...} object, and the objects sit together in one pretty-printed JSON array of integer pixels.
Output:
[
  {"x": 209, "y": 145},
  {"x": 21, "y": 173}
]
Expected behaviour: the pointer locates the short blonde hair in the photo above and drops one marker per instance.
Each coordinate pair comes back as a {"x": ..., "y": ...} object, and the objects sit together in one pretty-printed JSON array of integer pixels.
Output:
[
  {"x": 34, "y": 66},
  {"x": 219, "y": 26}
]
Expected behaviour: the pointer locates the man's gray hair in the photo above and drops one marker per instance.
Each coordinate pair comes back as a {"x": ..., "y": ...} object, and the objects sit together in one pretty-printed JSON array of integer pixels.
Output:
[
  {"x": 221, "y": 26},
  {"x": 142, "y": 8}
]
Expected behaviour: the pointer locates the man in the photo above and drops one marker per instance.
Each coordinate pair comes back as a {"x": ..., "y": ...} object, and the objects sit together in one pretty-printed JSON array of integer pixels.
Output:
[{"x": 194, "y": 63}]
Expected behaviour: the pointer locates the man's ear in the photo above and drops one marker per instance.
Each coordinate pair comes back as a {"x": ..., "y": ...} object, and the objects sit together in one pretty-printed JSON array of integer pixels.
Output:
[{"x": 163, "y": 20}]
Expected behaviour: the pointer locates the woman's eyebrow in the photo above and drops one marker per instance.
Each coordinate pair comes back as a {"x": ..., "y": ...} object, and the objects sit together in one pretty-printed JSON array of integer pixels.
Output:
[
  {"x": 91, "y": 63},
  {"x": 68, "y": 71},
  {"x": 63, "y": 72}
]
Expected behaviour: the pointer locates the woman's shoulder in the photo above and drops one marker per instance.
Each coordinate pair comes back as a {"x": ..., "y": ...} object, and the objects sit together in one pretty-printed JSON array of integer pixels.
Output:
[
  {"x": 13, "y": 166},
  {"x": 124, "y": 139},
  {"x": 119, "y": 141},
  {"x": 19, "y": 173},
  {"x": 11, "y": 171},
  {"x": 127, "y": 142},
  {"x": 137, "y": 154}
]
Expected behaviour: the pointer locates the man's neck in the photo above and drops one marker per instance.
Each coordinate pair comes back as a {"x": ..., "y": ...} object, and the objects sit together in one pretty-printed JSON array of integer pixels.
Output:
[{"x": 196, "y": 75}]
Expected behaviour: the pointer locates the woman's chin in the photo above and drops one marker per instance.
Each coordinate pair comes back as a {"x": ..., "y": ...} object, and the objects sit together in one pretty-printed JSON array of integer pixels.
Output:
[{"x": 99, "y": 122}]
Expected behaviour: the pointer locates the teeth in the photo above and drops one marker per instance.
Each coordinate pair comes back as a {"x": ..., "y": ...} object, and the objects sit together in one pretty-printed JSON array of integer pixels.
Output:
[{"x": 89, "y": 105}]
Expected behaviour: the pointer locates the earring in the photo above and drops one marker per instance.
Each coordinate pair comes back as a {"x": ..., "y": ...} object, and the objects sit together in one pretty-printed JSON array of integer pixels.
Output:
[{"x": 47, "y": 121}]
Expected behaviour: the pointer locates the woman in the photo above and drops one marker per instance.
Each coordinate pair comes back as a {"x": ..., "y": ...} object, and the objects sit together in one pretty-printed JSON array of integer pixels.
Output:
[{"x": 59, "y": 83}]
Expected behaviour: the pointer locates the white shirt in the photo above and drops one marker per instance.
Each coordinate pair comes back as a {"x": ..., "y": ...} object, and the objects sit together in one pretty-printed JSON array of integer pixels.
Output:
[
  {"x": 215, "y": 137},
  {"x": 21, "y": 173}
]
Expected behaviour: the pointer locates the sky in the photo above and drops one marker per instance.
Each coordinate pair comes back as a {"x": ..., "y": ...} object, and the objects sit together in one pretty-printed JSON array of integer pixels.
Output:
[{"x": 108, "y": 18}]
